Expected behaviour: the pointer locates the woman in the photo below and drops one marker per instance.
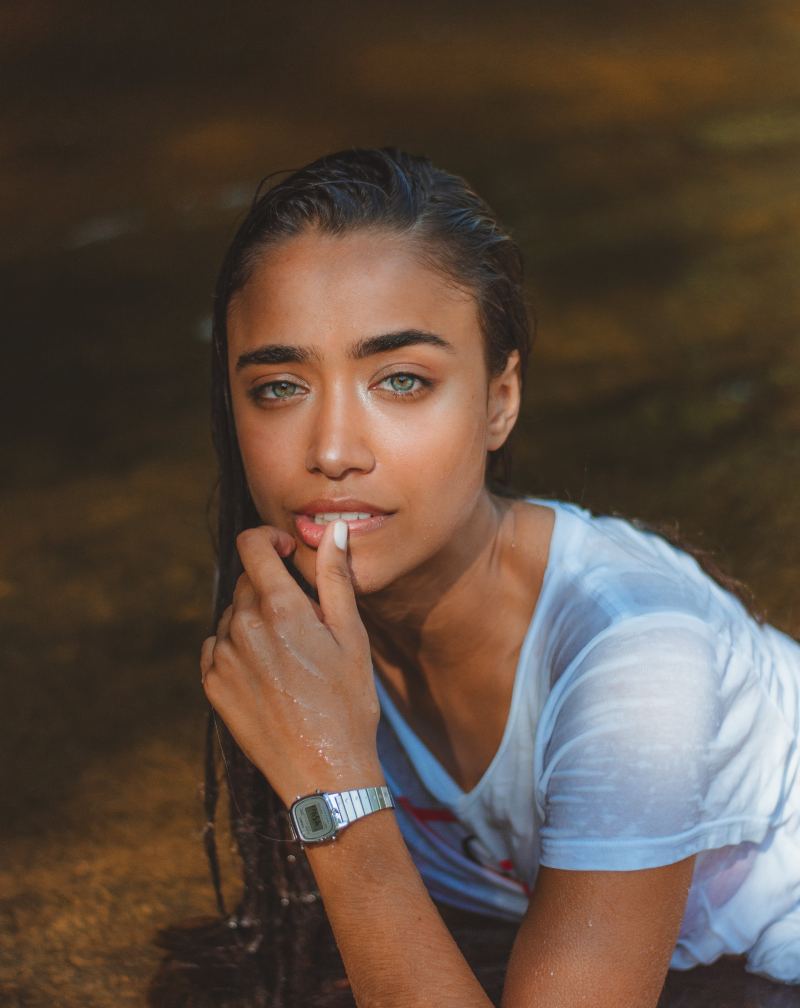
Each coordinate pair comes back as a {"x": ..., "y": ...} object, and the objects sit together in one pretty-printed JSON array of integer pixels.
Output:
[{"x": 581, "y": 731}]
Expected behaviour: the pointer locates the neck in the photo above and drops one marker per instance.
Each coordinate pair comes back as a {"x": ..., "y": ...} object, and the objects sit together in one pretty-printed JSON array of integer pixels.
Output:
[{"x": 432, "y": 624}]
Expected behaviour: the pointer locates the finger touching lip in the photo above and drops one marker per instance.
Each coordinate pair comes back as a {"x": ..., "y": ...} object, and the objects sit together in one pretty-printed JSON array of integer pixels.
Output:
[{"x": 311, "y": 531}]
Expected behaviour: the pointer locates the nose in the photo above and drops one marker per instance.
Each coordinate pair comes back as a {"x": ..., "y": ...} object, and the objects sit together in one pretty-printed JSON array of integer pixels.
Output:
[{"x": 338, "y": 444}]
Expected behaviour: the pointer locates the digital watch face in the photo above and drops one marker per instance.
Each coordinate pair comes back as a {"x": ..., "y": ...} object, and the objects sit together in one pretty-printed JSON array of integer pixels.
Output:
[{"x": 312, "y": 818}]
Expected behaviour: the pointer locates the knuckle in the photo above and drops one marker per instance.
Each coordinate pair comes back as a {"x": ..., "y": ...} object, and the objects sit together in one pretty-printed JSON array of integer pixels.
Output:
[
  {"x": 223, "y": 653},
  {"x": 276, "y": 605},
  {"x": 244, "y": 622},
  {"x": 245, "y": 539},
  {"x": 237, "y": 623},
  {"x": 339, "y": 575},
  {"x": 211, "y": 686}
]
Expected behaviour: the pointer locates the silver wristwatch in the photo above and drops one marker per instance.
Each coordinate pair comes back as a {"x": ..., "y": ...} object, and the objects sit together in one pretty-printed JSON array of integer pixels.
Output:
[{"x": 321, "y": 816}]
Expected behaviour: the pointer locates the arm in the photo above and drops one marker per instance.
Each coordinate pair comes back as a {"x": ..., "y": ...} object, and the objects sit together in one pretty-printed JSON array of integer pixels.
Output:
[
  {"x": 294, "y": 684},
  {"x": 396, "y": 949},
  {"x": 597, "y": 938}
]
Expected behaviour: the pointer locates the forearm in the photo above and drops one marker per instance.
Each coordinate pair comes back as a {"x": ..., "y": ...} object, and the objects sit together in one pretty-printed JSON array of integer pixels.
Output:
[
  {"x": 295, "y": 685},
  {"x": 396, "y": 949}
]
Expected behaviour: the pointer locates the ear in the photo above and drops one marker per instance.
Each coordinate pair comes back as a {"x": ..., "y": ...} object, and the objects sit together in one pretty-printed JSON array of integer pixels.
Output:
[{"x": 503, "y": 403}]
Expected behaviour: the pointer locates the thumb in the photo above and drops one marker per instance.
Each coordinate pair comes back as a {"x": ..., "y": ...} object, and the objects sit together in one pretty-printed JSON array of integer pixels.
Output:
[{"x": 334, "y": 584}]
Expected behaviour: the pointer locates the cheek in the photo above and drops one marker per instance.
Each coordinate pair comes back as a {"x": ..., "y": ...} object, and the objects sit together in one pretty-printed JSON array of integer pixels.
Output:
[
  {"x": 269, "y": 461},
  {"x": 429, "y": 461},
  {"x": 437, "y": 467},
  {"x": 446, "y": 445}
]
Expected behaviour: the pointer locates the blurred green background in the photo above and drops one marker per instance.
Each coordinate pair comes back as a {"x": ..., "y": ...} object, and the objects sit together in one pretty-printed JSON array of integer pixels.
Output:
[{"x": 646, "y": 156}]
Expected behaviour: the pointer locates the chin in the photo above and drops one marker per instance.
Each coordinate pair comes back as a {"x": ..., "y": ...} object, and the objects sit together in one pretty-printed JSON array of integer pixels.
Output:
[
  {"x": 365, "y": 576},
  {"x": 368, "y": 582}
]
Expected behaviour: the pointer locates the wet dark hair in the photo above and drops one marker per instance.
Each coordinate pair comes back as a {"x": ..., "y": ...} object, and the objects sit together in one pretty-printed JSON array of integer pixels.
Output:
[{"x": 259, "y": 953}]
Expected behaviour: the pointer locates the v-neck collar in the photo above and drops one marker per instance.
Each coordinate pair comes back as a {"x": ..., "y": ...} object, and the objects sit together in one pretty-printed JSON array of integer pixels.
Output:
[{"x": 436, "y": 779}]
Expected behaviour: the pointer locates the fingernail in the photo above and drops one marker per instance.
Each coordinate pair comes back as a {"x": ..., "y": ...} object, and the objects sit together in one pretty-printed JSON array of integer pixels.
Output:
[{"x": 340, "y": 533}]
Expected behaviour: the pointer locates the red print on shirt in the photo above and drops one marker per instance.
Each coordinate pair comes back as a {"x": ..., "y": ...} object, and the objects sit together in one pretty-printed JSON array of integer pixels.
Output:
[{"x": 471, "y": 846}]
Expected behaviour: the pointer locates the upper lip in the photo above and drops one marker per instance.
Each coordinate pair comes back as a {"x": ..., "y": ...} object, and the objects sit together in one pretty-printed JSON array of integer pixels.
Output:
[{"x": 322, "y": 505}]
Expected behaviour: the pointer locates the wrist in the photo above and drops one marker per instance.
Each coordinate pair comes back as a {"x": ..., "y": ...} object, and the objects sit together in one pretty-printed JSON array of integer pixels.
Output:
[
  {"x": 345, "y": 778},
  {"x": 321, "y": 817}
]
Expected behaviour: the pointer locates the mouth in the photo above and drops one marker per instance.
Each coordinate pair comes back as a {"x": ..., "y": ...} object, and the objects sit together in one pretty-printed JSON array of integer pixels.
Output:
[{"x": 310, "y": 522}]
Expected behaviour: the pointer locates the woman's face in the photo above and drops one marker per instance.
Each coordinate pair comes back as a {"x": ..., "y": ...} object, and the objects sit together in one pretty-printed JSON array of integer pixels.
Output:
[{"x": 359, "y": 385}]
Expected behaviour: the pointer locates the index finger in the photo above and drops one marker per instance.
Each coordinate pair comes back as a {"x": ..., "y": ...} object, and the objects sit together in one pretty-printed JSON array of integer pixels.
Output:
[{"x": 260, "y": 550}]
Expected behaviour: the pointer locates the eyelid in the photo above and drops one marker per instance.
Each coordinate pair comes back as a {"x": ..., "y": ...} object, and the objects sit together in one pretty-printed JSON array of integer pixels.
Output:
[
  {"x": 400, "y": 368},
  {"x": 258, "y": 382}
]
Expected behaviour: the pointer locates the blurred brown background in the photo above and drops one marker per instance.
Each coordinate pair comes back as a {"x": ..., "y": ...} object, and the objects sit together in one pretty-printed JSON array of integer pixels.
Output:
[{"x": 646, "y": 156}]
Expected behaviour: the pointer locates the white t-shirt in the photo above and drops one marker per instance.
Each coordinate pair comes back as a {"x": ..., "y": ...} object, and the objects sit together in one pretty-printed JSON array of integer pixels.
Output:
[{"x": 651, "y": 718}]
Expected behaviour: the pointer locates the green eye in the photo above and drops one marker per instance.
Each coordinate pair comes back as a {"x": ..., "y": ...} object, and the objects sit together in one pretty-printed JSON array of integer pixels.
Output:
[
  {"x": 402, "y": 382},
  {"x": 405, "y": 385},
  {"x": 279, "y": 390}
]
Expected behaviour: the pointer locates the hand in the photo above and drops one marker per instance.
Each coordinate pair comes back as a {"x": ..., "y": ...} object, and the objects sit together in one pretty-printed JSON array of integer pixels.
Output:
[{"x": 293, "y": 680}]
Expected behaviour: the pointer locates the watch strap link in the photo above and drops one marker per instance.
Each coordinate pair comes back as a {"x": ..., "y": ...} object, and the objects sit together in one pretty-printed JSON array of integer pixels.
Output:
[{"x": 347, "y": 806}]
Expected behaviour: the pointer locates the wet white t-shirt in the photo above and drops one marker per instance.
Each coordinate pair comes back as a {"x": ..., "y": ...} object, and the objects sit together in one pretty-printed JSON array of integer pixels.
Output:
[{"x": 651, "y": 719}]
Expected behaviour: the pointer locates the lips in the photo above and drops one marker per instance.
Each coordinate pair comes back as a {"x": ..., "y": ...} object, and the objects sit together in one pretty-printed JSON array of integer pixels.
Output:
[
  {"x": 329, "y": 505},
  {"x": 311, "y": 531}
]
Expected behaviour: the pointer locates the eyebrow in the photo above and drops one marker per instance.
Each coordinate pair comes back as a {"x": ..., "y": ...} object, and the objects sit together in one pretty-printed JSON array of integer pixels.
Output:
[{"x": 281, "y": 353}]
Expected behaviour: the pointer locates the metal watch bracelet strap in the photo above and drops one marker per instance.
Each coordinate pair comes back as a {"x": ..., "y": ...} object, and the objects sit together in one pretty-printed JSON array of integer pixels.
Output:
[
  {"x": 347, "y": 806},
  {"x": 319, "y": 817}
]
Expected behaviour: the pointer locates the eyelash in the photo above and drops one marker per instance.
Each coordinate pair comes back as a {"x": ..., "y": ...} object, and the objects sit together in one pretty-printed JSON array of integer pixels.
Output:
[{"x": 424, "y": 385}]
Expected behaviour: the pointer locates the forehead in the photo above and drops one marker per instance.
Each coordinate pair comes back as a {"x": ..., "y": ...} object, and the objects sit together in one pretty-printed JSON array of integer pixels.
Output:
[{"x": 316, "y": 288}]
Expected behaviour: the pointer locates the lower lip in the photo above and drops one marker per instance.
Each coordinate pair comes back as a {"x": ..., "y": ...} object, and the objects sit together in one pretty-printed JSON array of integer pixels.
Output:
[{"x": 311, "y": 533}]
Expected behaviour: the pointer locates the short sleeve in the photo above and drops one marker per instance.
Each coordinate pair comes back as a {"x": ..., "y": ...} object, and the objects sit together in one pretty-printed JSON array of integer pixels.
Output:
[{"x": 639, "y": 751}]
